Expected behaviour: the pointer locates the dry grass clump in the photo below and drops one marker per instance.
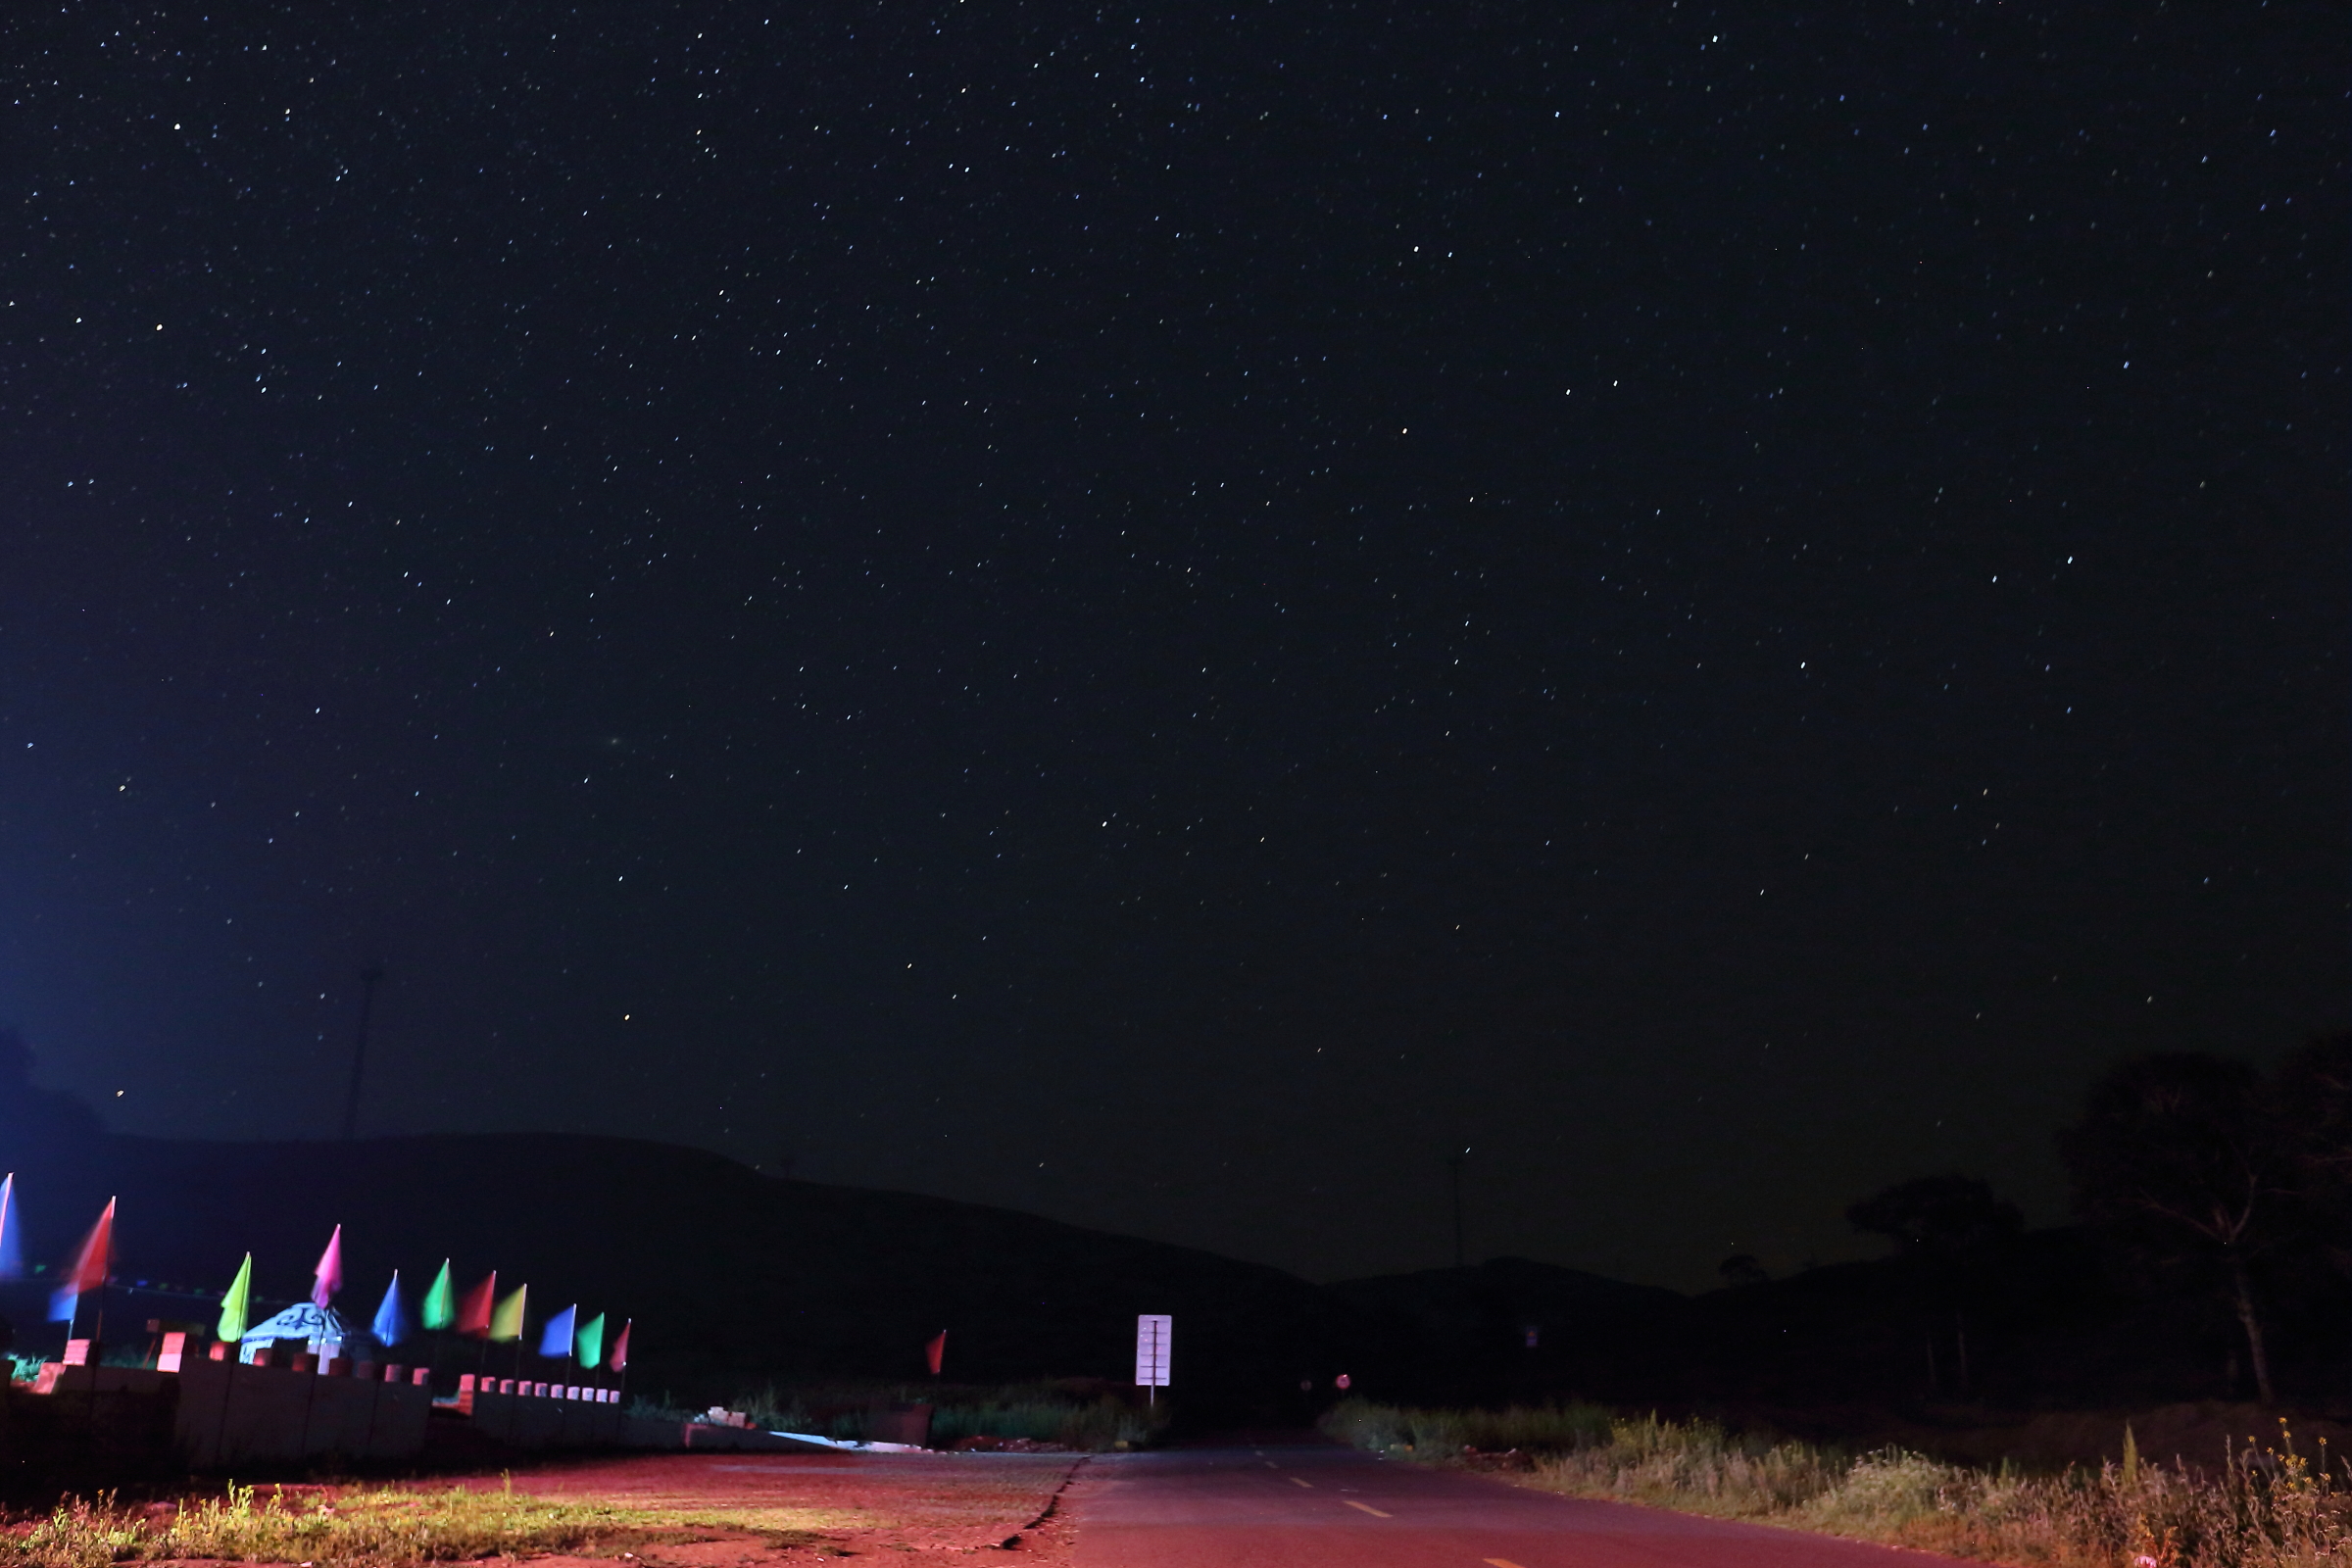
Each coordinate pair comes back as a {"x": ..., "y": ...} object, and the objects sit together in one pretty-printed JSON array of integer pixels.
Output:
[
  {"x": 2265, "y": 1507},
  {"x": 385, "y": 1526}
]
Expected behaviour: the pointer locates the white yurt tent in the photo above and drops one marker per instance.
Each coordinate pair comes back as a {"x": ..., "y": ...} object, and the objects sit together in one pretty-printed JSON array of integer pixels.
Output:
[{"x": 320, "y": 1328}]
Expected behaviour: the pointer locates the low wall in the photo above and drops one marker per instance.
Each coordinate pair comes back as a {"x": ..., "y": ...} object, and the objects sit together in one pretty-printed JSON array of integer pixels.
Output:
[
  {"x": 219, "y": 1415},
  {"x": 232, "y": 1414},
  {"x": 562, "y": 1418}
]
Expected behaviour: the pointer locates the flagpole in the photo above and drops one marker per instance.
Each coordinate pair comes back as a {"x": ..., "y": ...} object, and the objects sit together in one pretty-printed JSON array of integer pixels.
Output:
[
  {"x": 373, "y": 1394},
  {"x": 105, "y": 1267},
  {"x": 97, "y": 1348},
  {"x": 228, "y": 1386},
  {"x": 236, "y": 1353}
]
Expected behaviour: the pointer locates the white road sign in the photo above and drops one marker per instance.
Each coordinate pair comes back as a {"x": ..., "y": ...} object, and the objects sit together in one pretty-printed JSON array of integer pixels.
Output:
[{"x": 1151, "y": 1331}]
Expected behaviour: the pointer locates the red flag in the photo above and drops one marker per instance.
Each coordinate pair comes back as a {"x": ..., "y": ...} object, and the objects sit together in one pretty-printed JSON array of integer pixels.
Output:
[
  {"x": 619, "y": 1361},
  {"x": 97, "y": 1252},
  {"x": 89, "y": 1272},
  {"x": 936, "y": 1351},
  {"x": 474, "y": 1313},
  {"x": 327, "y": 1278}
]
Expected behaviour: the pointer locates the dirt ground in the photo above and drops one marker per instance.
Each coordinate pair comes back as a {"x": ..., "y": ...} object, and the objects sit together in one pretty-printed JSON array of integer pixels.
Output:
[{"x": 759, "y": 1508}]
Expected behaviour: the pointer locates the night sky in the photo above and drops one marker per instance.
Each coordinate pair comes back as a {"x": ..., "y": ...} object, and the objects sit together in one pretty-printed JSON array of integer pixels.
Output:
[{"x": 1163, "y": 616}]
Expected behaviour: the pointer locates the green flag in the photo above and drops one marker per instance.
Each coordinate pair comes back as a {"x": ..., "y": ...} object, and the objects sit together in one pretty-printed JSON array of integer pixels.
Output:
[
  {"x": 440, "y": 1302},
  {"x": 589, "y": 1341},
  {"x": 506, "y": 1322},
  {"x": 234, "y": 1306}
]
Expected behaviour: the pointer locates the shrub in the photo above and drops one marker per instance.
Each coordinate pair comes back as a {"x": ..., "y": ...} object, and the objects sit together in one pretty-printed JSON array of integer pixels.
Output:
[{"x": 2264, "y": 1507}]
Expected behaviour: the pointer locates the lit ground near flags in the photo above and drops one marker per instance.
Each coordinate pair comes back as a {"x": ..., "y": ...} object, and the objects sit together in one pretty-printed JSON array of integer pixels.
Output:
[{"x": 670, "y": 1511}]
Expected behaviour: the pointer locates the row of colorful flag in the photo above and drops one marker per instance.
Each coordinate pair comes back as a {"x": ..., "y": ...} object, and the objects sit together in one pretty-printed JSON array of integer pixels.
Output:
[{"x": 482, "y": 1314}]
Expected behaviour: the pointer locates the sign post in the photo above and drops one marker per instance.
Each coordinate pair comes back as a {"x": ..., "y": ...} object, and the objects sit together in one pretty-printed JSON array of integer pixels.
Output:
[{"x": 1152, "y": 1333}]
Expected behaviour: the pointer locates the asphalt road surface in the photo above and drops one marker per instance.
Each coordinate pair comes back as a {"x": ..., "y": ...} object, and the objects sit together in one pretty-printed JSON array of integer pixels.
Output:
[{"x": 1319, "y": 1506}]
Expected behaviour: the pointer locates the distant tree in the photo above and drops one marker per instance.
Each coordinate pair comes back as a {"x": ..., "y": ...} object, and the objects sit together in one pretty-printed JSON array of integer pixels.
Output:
[
  {"x": 1952, "y": 1228},
  {"x": 2179, "y": 1156},
  {"x": 2311, "y": 1102},
  {"x": 1740, "y": 1268},
  {"x": 1953, "y": 1220}
]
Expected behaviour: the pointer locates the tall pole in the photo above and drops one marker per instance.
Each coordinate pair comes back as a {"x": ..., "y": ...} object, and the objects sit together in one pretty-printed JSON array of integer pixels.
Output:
[
  {"x": 1454, "y": 1164},
  {"x": 359, "y": 1050}
]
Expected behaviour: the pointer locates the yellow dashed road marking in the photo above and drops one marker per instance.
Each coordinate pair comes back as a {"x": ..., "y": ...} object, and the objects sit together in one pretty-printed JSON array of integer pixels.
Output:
[
  {"x": 1499, "y": 1562},
  {"x": 1295, "y": 1481},
  {"x": 1368, "y": 1508}
]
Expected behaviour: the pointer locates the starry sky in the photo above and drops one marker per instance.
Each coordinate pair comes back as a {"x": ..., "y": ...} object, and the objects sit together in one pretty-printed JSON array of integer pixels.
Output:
[{"x": 1165, "y": 614}]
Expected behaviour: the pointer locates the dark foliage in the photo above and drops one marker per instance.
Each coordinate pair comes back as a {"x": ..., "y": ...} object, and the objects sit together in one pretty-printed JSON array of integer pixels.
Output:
[
  {"x": 2180, "y": 1160},
  {"x": 1953, "y": 1219},
  {"x": 2311, "y": 1101},
  {"x": 1743, "y": 1268}
]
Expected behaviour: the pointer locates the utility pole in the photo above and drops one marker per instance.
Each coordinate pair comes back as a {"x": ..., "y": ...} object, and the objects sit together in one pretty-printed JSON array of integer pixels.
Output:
[
  {"x": 1453, "y": 1165},
  {"x": 359, "y": 1050}
]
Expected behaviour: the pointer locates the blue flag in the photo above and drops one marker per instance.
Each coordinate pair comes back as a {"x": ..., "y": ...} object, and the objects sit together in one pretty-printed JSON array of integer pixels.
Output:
[
  {"x": 391, "y": 1325},
  {"x": 556, "y": 1340},
  {"x": 12, "y": 1237}
]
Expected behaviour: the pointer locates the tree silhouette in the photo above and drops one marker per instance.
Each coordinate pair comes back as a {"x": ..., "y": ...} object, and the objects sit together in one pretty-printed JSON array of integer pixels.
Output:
[
  {"x": 1743, "y": 1268},
  {"x": 1952, "y": 1228},
  {"x": 1954, "y": 1220},
  {"x": 2310, "y": 1100},
  {"x": 2180, "y": 1157}
]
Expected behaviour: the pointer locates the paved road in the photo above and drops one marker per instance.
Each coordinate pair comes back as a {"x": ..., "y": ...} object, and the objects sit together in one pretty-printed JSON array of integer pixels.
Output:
[{"x": 1301, "y": 1506}]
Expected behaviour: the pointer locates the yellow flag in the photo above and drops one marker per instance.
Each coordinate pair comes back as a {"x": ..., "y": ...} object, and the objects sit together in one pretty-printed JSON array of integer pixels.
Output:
[{"x": 506, "y": 1322}]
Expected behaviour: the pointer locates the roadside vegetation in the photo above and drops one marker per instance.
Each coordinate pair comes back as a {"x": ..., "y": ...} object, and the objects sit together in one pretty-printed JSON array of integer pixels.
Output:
[
  {"x": 2267, "y": 1506},
  {"x": 1079, "y": 1417},
  {"x": 381, "y": 1526}
]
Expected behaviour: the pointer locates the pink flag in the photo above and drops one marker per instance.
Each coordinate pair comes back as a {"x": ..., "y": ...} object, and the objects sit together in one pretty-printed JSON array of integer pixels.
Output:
[
  {"x": 936, "y": 1351},
  {"x": 327, "y": 1278},
  {"x": 618, "y": 1361}
]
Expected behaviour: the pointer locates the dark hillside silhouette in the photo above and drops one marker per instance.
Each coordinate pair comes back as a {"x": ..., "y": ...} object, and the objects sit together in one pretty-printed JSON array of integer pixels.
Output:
[{"x": 733, "y": 1277}]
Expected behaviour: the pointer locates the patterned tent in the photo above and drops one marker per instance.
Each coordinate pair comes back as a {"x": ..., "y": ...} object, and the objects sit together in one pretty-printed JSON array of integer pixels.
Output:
[{"x": 322, "y": 1326}]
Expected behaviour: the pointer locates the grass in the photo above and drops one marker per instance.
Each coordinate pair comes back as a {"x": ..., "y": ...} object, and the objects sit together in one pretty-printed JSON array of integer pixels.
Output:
[
  {"x": 383, "y": 1526},
  {"x": 1105, "y": 1423},
  {"x": 1445, "y": 1434},
  {"x": 1087, "y": 1419},
  {"x": 2267, "y": 1506}
]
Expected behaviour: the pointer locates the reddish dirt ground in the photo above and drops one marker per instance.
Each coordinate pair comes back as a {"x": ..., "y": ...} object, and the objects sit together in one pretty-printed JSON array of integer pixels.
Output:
[{"x": 954, "y": 1503}]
